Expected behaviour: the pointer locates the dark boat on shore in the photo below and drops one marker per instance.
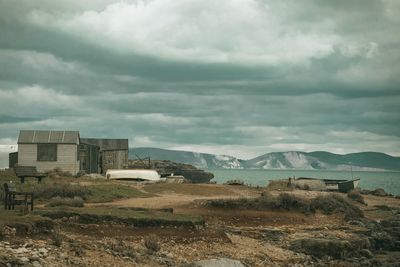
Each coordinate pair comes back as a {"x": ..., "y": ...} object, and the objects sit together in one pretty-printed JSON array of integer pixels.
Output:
[{"x": 340, "y": 185}]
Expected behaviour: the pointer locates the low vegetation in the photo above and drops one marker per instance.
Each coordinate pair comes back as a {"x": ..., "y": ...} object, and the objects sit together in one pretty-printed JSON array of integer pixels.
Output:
[
  {"x": 334, "y": 203},
  {"x": 138, "y": 218},
  {"x": 93, "y": 192},
  {"x": 327, "y": 204},
  {"x": 105, "y": 192},
  {"x": 284, "y": 201},
  {"x": 279, "y": 185},
  {"x": 356, "y": 196},
  {"x": 68, "y": 202},
  {"x": 61, "y": 190}
]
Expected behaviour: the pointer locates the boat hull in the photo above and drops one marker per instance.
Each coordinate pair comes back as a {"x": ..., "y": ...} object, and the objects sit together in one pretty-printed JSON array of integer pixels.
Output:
[{"x": 139, "y": 175}]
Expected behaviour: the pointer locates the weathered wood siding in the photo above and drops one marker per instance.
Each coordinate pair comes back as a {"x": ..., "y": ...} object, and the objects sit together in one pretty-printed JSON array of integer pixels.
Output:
[
  {"x": 66, "y": 158},
  {"x": 114, "y": 159}
]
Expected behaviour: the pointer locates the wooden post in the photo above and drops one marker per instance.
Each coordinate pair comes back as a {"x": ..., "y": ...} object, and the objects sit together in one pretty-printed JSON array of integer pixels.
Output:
[{"x": 32, "y": 201}]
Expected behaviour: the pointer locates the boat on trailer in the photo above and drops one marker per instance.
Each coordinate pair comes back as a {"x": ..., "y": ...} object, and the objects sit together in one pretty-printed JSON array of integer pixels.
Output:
[{"x": 340, "y": 185}]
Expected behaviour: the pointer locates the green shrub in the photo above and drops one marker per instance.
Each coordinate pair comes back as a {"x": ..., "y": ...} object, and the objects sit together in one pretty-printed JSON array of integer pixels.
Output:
[
  {"x": 57, "y": 172},
  {"x": 48, "y": 191},
  {"x": 328, "y": 204},
  {"x": 356, "y": 196},
  {"x": 266, "y": 201},
  {"x": 291, "y": 202},
  {"x": 69, "y": 202},
  {"x": 334, "y": 203}
]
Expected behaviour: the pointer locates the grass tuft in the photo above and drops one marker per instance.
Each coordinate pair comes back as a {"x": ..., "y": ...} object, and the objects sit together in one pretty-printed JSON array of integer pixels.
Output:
[
  {"x": 356, "y": 196},
  {"x": 327, "y": 204},
  {"x": 68, "y": 202}
]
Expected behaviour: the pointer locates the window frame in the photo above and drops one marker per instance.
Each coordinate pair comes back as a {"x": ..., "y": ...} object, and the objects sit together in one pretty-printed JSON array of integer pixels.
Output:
[{"x": 41, "y": 146}]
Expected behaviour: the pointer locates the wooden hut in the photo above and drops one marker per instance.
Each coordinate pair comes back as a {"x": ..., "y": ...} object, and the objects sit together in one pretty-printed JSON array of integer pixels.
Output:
[{"x": 47, "y": 150}]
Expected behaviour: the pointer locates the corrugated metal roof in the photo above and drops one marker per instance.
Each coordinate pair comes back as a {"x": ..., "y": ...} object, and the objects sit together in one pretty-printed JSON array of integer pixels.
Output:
[
  {"x": 107, "y": 144},
  {"x": 34, "y": 137}
]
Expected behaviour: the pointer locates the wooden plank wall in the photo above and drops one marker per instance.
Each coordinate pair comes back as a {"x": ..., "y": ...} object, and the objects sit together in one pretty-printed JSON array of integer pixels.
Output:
[{"x": 66, "y": 158}]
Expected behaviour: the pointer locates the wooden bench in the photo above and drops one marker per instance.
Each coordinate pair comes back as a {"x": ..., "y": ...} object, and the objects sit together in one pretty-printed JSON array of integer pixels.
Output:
[
  {"x": 28, "y": 171},
  {"x": 12, "y": 197}
]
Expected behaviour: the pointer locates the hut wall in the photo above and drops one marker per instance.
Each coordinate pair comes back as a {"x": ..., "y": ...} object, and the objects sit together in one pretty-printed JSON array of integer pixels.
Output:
[
  {"x": 114, "y": 159},
  {"x": 12, "y": 159},
  {"x": 89, "y": 158},
  {"x": 66, "y": 158}
]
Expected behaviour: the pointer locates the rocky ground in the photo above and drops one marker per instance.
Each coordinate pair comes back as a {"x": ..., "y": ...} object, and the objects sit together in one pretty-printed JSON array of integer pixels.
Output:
[{"x": 229, "y": 237}]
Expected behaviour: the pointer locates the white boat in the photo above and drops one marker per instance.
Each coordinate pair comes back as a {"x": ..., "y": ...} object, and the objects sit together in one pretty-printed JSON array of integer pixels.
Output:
[{"x": 139, "y": 175}]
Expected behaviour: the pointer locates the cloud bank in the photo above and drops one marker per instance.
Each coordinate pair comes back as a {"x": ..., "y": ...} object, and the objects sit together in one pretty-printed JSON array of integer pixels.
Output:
[{"x": 238, "y": 77}]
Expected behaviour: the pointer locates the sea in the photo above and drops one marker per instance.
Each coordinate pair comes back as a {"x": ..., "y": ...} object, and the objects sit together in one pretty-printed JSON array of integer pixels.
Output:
[{"x": 389, "y": 181}]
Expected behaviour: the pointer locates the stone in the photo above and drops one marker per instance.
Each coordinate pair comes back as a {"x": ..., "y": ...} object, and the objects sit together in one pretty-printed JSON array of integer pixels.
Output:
[
  {"x": 21, "y": 250},
  {"x": 36, "y": 264},
  {"x": 272, "y": 234},
  {"x": 24, "y": 259},
  {"x": 43, "y": 250},
  {"x": 366, "y": 253},
  {"x": 335, "y": 248},
  {"x": 221, "y": 262},
  {"x": 379, "y": 192}
]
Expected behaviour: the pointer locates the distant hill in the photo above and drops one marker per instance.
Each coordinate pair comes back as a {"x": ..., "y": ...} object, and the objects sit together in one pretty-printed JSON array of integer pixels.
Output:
[
  {"x": 368, "y": 161},
  {"x": 200, "y": 160}
]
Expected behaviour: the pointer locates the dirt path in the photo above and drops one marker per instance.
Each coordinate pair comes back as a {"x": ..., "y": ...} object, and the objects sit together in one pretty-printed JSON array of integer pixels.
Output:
[
  {"x": 174, "y": 196},
  {"x": 161, "y": 201}
]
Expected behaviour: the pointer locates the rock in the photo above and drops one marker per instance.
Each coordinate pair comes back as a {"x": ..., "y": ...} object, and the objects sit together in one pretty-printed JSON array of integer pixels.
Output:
[
  {"x": 365, "y": 191},
  {"x": 24, "y": 259},
  {"x": 272, "y": 234},
  {"x": 221, "y": 262},
  {"x": 9, "y": 231},
  {"x": 43, "y": 250},
  {"x": 21, "y": 250},
  {"x": 356, "y": 222},
  {"x": 382, "y": 240},
  {"x": 36, "y": 264},
  {"x": 366, "y": 253},
  {"x": 379, "y": 192},
  {"x": 335, "y": 248}
]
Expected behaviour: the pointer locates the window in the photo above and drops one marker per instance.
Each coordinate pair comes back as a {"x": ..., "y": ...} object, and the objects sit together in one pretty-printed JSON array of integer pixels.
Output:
[{"x": 47, "y": 152}]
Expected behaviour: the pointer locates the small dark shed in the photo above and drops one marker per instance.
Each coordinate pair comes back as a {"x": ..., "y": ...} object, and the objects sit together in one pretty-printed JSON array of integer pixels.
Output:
[
  {"x": 113, "y": 152},
  {"x": 12, "y": 159}
]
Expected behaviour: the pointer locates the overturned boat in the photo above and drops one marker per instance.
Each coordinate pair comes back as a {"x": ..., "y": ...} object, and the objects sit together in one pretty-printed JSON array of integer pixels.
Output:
[
  {"x": 340, "y": 185},
  {"x": 135, "y": 174}
]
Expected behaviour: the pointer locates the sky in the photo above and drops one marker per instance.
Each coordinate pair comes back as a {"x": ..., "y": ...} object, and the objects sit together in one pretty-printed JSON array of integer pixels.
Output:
[{"x": 235, "y": 77}]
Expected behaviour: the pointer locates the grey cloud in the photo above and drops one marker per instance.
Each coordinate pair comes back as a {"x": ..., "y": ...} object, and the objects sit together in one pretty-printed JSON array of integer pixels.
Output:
[{"x": 346, "y": 98}]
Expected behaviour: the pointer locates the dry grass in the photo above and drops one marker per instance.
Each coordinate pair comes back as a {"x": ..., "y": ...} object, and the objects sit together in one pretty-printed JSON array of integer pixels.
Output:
[
  {"x": 279, "y": 185},
  {"x": 68, "y": 202},
  {"x": 267, "y": 201},
  {"x": 356, "y": 196},
  {"x": 151, "y": 242},
  {"x": 328, "y": 204},
  {"x": 334, "y": 203}
]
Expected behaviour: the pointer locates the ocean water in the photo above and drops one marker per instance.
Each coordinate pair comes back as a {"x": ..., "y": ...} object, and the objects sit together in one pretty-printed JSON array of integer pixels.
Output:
[{"x": 389, "y": 181}]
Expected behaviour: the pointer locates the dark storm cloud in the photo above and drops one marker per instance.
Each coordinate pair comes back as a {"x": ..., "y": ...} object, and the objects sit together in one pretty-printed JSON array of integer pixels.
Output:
[{"x": 267, "y": 76}]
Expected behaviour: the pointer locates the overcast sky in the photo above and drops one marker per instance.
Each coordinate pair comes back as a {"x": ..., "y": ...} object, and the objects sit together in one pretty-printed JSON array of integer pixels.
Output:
[{"x": 236, "y": 77}]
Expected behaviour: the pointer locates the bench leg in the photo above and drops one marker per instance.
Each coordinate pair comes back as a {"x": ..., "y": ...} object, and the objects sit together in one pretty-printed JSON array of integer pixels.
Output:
[
  {"x": 32, "y": 202},
  {"x": 22, "y": 179},
  {"x": 12, "y": 202}
]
